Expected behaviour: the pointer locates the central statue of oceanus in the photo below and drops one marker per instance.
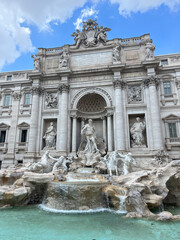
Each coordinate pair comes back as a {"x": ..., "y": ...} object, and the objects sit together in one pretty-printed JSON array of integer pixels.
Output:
[{"x": 91, "y": 147}]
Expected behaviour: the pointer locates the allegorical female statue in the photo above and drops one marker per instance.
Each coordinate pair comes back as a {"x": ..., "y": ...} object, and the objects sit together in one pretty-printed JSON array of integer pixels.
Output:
[
  {"x": 50, "y": 137},
  {"x": 137, "y": 133}
]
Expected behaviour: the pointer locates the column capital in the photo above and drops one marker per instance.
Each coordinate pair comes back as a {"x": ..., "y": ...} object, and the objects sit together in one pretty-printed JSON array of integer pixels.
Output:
[
  {"x": 64, "y": 88},
  {"x": 119, "y": 83},
  {"x": 150, "y": 81},
  {"x": 36, "y": 90}
]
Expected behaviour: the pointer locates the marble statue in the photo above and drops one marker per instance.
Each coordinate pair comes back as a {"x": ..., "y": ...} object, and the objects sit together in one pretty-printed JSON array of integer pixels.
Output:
[
  {"x": 64, "y": 58},
  {"x": 91, "y": 34},
  {"x": 137, "y": 133},
  {"x": 91, "y": 147},
  {"x": 128, "y": 161},
  {"x": 89, "y": 132},
  {"x": 50, "y": 137},
  {"x": 36, "y": 62},
  {"x": 42, "y": 166},
  {"x": 79, "y": 37},
  {"x": 61, "y": 162},
  {"x": 116, "y": 54},
  {"x": 149, "y": 52},
  {"x": 112, "y": 162},
  {"x": 51, "y": 100}
]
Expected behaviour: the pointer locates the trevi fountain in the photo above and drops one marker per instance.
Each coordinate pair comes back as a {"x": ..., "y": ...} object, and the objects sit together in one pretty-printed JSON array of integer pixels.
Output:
[{"x": 91, "y": 172}]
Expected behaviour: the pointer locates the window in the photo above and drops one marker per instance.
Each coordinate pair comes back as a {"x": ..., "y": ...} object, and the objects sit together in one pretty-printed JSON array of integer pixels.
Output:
[
  {"x": 172, "y": 130},
  {"x": 164, "y": 62},
  {"x": 20, "y": 161},
  {"x": 24, "y": 135},
  {"x": 167, "y": 88},
  {"x": 7, "y": 100},
  {"x": 9, "y": 78},
  {"x": 2, "y": 136},
  {"x": 27, "y": 98}
]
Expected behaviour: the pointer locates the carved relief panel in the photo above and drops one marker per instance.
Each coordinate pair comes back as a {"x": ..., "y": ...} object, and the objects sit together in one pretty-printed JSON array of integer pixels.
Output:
[
  {"x": 135, "y": 94},
  {"x": 51, "y": 100}
]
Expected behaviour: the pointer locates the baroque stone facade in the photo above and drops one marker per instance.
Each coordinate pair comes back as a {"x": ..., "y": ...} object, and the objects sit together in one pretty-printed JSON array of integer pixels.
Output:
[{"x": 131, "y": 95}]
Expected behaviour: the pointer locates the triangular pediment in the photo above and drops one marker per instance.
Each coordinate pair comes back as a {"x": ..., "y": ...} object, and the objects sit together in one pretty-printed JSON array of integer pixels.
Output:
[
  {"x": 171, "y": 117},
  {"x": 4, "y": 125},
  {"x": 23, "y": 124}
]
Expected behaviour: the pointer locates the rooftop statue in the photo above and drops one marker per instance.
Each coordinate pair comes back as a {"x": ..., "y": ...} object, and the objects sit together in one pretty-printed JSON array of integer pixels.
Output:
[{"x": 91, "y": 34}]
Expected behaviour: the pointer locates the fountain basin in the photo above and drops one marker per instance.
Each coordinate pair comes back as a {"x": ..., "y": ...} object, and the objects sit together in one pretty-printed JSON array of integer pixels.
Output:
[{"x": 75, "y": 195}]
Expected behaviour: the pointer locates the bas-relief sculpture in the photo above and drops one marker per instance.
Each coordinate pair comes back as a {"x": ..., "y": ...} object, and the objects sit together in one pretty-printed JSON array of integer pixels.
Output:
[
  {"x": 51, "y": 100},
  {"x": 134, "y": 94},
  {"x": 136, "y": 132},
  {"x": 91, "y": 34},
  {"x": 50, "y": 137}
]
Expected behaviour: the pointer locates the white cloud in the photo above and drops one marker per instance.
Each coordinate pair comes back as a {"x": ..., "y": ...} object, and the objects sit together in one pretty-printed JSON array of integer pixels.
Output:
[
  {"x": 14, "y": 37},
  {"x": 126, "y": 7},
  {"x": 85, "y": 13}
]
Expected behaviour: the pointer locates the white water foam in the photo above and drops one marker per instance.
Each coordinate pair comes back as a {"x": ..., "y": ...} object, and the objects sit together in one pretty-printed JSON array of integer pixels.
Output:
[
  {"x": 69, "y": 179},
  {"x": 98, "y": 210}
]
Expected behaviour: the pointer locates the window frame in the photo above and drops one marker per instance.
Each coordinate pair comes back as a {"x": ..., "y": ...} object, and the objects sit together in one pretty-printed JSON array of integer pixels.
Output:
[
  {"x": 27, "y": 104},
  {"x": 4, "y": 104},
  {"x": 165, "y": 88}
]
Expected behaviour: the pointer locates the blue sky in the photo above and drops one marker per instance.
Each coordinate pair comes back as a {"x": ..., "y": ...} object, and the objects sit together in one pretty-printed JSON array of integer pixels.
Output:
[{"x": 26, "y": 25}]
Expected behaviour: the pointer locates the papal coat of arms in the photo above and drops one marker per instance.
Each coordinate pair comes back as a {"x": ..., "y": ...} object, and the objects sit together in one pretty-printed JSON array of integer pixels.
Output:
[{"x": 91, "y": 34}]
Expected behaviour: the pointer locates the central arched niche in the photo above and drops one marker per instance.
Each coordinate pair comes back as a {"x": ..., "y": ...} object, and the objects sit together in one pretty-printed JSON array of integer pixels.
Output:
[{"x": 91, "y": 105}]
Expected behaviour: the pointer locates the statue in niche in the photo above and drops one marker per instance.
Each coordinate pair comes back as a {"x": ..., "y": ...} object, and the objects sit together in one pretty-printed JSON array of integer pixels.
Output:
[
  {"x": 64, "y": 58},
  {"x": 149, "y": 53},
  {"x": 137, "y": 133},
  {"x": 89, "y": 132},
  {"x": 50, "y": 137},
  {"x": 51, "y": 100},
  {"x": 116, "y": 54},
  {"x": 36, "y": 62},
  {"x": 91, "y": 147}
]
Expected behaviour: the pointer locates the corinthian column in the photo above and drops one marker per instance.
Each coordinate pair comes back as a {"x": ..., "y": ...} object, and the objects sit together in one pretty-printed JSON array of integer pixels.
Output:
[
  {"x": 74, "y": 134},
  {"x": 119, "y": 115},
  {"x": 63, "y": 126},
  {"x": 152, "y": 82},
  {"x": 16, "y": 96},
  {"x": 109, "y": 126},
  {"x": 36, "y": 91}
]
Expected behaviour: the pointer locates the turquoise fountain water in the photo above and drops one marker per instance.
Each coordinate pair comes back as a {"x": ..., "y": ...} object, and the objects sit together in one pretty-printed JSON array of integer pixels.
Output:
[{"x": 33, "y": 223}]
